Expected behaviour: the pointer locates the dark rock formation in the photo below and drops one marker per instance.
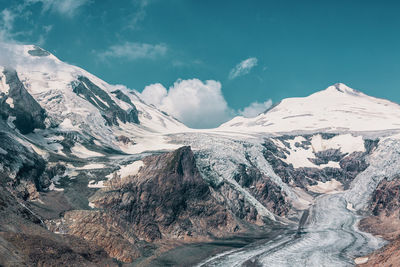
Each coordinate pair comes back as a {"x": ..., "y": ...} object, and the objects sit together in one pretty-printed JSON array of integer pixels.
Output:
[
  {"x": 38, "y": 52},
  {"x": 24, "y": 241},
  {"x": 110, "y": 111},
  {"x": 385, "y": 222},
  {"x": 350, "y": 165},
  {"x": 29, "y": 114},
  {"x": 20, "y": 168},
  {"x": 263, "y": 189},
  {"x": 115, "y": 236},
  {"x": 167, "y": 199}
]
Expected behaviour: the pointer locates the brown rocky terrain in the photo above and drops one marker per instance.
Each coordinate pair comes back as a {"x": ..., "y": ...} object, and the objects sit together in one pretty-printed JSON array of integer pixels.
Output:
[
  {"x": 385, "y": 222},
  {"x": 24, "y": 240},
  {"x": 167, "y": 202}
]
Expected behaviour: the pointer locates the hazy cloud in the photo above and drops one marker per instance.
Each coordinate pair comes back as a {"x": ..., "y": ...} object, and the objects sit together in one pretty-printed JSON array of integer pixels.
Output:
[
  {"x": 243, "y": 68},
  {"x": 139, "y": 14},
  {"x": 255, "y": 109},
  {"x": 133, "y": 50},
  {"x": 65, "y": 7},
  {"x": 7, "y": 18}
]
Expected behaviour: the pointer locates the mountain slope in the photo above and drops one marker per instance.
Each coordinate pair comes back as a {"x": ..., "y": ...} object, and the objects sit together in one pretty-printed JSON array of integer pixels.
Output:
[
  {"x": 337, "y": 108},
  {"x": 75, "y": 101},
  {"x": 92, "y": 162}
]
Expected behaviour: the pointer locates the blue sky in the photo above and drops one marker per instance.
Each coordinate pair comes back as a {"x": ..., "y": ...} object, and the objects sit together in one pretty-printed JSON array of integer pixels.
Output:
[{"x": 254, "y": 50}]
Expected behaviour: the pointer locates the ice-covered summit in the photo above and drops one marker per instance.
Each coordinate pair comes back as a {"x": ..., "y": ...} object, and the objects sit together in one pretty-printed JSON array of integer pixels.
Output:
[
  {"x": 70, "y": 100},
  {"x": 337, "y": 108}
]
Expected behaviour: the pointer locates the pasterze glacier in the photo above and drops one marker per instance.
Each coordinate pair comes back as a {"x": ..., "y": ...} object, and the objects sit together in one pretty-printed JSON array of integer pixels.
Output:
[{"x": 251, "y": 157}]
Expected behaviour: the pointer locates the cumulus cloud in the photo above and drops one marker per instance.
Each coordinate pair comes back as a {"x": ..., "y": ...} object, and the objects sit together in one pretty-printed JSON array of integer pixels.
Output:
[
  {"x": 243, "y": 68},
  {"x": 255, "y": 109},
  {"x": 64, "y": 7},
  {"x": 197, "y": 104},
  {"x": 133, "y": 50},
  {"x": 154, "y": 94}
]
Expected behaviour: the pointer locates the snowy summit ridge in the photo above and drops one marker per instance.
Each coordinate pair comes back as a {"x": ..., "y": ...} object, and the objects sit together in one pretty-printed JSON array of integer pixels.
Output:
[{"x": 337, "y": 108}]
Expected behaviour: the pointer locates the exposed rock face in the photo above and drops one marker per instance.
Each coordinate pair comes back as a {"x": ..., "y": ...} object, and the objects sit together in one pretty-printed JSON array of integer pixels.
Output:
[
  {"x": 38, "y": 52},
  {"x": 167, "y": 199},
  {"x": 350, "y": 164},
  {"x": 20, "y": 168},
  {"x": 115, "y": 236},
  {"x": 110, "y": 111},
  {"x": 24, "y": 241},
  {"x": 263, "y": 189},
  {"x": 27, "y": 112},
  {"x": 385, "y": 207}
]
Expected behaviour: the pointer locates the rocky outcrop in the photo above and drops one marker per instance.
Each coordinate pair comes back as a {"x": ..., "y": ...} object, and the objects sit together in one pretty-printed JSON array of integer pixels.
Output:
[
  {"x": 38, "y": 52},
  {"x": 110, "y": 111},
  {"x": 263, "y": 189},
  {"x": 385, "y": 222},
  {"x": 165, "y": 204},
  {"x": 20, "y": 168},
  {"x": 24, "y": 240},
  {"x": 28, "y": 114},
  {"x": 115, "y": 236},
  {"x": 167, "y": 199},
  {"x": 350, "y": 164}
]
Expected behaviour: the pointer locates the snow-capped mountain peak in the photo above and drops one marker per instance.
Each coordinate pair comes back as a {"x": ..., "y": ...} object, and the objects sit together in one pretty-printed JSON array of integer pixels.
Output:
[
  {"x": 337, "y": 108},
  {"x": 70, "y": 100},
  {"x": 342, "y": 88}
]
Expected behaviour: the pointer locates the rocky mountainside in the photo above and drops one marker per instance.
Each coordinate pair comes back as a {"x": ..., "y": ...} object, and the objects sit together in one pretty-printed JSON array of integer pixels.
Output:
[{"x": 100, "y": 177}]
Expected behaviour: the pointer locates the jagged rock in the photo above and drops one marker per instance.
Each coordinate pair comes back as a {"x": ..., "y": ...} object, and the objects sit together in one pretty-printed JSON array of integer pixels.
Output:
[
  {"x": 116, "y": 237},
  {"x": 110, "y": 111},
  {"x": 385, "y": 222},
  {"x": 29, "y": 114},
  {"x": 24, "y": 241},
  {"x": 350, "y": 165},
  {"x": 125, "y": 140},
  {"x": 167, "y": 199},
  {"x": 263, "y": 189},
  {"x": 20, "y": 167},
  {"x": 38, "y": 52}
]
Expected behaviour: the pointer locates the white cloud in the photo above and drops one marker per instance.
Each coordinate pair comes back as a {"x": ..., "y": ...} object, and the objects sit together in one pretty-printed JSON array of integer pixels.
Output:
[
  {"x": 243, "y": 68},
  {"x": 197, "y": 104},
  {"x": 154, "y": 94},
  {"x": 64, "y": 7},
  {"x": 132, "y": 50},
  {"x": 255, "y": 109}
]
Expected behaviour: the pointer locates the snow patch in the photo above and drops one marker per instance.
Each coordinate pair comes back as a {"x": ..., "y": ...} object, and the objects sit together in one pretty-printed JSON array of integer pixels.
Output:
[
  {"x": 327, "y": 187},
  {"x": 361, "y": 260},
  {"x": 92, "y": 166},
  {"x": 4, "y": 87},
  {"x": 93, "y": 184},
  {"x": 347, "y": 143},
  {"x": 54, "y": 182},
  {"x": 82, "y": 152},
  {"x": 67, "y": 125},
  {"x": 127, "y": 170},
  {"x": 10, "y": 101}
]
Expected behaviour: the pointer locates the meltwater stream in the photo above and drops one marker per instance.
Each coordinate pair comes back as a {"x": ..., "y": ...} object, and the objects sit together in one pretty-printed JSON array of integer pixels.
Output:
[{"x": 330, "y": 236}]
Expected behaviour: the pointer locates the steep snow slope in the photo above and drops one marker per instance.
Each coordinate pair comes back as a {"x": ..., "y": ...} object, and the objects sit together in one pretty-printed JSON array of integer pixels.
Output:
[
  {"x": 337, "y": 108},
  {"x": 77, "y": 101}
]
